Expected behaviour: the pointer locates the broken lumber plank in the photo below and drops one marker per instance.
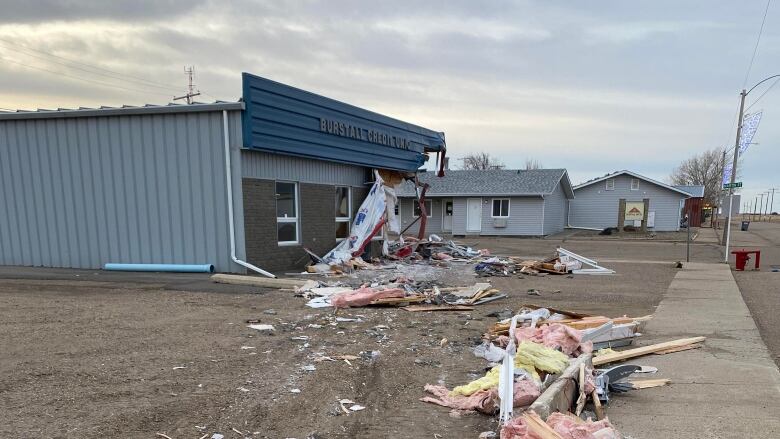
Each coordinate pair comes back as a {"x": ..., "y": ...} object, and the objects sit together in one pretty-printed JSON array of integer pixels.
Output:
[
  {"x": 561, "y": 394},
  {"x": 398, "y": 300},
  {"x": 646, "y": 384},
  {"x": 256, "y": 281},
  {"x": 573, "y": 314},
  {"x": 418, "y": 308},
  {"x": 678, "y": 349},
  {"x": 644, "y": 350},
  {"x": 539, "y": 427},
  {"x": 597, "y": 407}
]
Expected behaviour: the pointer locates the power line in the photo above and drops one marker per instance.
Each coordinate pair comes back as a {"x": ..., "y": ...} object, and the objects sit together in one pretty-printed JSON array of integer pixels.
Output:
[
  {"x": 91, "y": 81},
  {"x": 90, "y": 65},
  {"x": 758, "y": 40},
  {"x": 90, "y": 71}
]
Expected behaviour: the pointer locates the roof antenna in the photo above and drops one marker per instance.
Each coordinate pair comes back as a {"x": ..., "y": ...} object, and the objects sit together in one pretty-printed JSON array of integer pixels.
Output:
[{"x": 190, "y": 86}]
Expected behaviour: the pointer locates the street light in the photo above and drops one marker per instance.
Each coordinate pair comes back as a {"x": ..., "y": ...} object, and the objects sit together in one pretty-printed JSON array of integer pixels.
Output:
[{"x": 742, "y": 95}]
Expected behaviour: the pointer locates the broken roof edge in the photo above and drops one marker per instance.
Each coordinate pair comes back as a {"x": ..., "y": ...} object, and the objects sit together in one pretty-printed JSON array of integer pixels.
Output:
[
  {"x": 633, "y": 174},
  {"x": 121, "y": 111}
]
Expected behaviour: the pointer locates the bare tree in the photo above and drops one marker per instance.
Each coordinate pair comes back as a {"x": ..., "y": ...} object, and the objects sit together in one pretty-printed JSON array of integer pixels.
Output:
[
  {"x": 480, "y": 161},
  {"x": 704, "y": 169},
  {"x": 532, "y": 164}
]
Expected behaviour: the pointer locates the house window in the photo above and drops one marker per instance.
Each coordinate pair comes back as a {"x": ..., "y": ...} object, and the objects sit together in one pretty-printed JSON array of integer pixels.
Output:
[
  {"x": 428, "y": 208},
  {"x": 610, "y": 184},
  {"x": 398, "y": 208},
  {"x": 500, "y": 208},
  {"x": 343, "y": 209},
  {"x": 634, "y": 184},
  {"x": 286, "y": 213}
]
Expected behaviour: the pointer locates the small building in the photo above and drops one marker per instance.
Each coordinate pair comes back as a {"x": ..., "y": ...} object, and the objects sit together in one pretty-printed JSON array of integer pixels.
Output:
[
  {"x": 626, "y": 198},
  {"x": 232, "y": 184},
  {"x": 490, "y": 202},
  {"x": 694, "y": 206}
]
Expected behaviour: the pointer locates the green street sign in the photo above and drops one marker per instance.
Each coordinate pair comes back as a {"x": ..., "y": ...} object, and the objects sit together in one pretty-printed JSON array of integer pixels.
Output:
[{"x": 736, "y": 184}]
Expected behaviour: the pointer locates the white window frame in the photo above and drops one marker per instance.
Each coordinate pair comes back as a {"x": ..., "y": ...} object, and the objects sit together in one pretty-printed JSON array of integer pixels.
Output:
[
  {"x": 508, "y": 207},
  {"x": 285, "y": 219},
  {"x": 632, "y": 184},
  {"x": 347, "y": 219},
  {"x": 608, "y": 186},
  {"x": 429, "y": 212}
]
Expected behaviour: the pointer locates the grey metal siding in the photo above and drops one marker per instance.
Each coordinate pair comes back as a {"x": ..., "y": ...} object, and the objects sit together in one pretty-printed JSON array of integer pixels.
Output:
[
  {"x": 433, "y": 224},
  {"x": 146, "y": 188},
  {"x": 525, "y": 217},
  {"x": 555, "y": 211},
  {"x": 594, "y": 206},
  {"x": 268, "y": 166}
]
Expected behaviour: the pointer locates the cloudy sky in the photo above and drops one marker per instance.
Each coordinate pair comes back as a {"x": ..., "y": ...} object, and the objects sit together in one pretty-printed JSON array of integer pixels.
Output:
[{"x": 590, "y": 86}]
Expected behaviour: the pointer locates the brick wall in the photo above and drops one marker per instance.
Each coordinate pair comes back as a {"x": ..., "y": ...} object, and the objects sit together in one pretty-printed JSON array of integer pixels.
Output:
[{"x": 317, "y": 224}]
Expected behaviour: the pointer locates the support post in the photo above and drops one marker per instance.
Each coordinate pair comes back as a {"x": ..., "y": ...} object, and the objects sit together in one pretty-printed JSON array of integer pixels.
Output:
[
  {"x": 646, "y": 214},
  {"x": 621, "y": 215},
  {"x": 727, "y": 229}
]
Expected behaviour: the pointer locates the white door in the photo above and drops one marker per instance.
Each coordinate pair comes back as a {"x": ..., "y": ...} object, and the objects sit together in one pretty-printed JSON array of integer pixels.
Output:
[
  {"x": 474, "y": 215},
  {"x": 446, "y": 219}
]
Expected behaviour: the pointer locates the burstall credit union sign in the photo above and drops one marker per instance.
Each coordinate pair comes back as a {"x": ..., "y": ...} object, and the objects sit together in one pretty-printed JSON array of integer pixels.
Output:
[
  {"x": 367, "y": 135},
  {"x": 635, "y": 210}
]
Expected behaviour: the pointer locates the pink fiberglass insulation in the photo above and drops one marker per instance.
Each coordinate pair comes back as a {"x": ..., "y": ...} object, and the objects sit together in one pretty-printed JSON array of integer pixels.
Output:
[
  {"x": 363, "y": 296},
  {"x": 556, "y": 336},
  {"x": 565, "y": 425},
  {"x": 571, "y": 428},
  {"x": 481, "y": 400},
  {"x": 484, "y": 401}
]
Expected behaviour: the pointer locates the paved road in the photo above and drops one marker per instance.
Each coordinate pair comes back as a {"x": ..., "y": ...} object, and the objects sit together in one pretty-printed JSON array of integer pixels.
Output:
[{"x": 761, "y": 289}]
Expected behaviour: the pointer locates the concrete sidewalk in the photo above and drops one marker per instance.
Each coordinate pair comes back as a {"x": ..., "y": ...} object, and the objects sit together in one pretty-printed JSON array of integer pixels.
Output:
[{"x": 730, "y": 388}]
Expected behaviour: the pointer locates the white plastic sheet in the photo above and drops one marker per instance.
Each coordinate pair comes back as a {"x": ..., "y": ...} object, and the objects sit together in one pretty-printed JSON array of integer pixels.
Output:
[{"x": 368, "y": 217}]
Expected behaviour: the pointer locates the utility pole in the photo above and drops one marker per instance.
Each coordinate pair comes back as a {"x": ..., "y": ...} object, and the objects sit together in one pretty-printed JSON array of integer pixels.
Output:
[
  {"x": 772, "y": 204},
  {"x": 755, "y": 206},
  {"x": 761, "y": 206},
  {"x": 191, "y": 92},
  {"x": 727, "y": 229}
]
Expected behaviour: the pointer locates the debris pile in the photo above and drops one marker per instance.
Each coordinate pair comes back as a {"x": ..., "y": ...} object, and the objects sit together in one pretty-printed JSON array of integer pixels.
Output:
[
  {"x": 541, "y": 363},
  {"x": 400, "y": 291}
]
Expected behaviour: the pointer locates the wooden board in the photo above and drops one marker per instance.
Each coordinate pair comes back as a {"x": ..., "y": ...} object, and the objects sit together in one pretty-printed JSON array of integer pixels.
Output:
[
  {"x": 418, "y": 308},
  {"x": 644, "y": 350},
  {"x": 646, "y": 384},
  {"x": 539, "y": 427},
  {"x": 573, "y": 314},
  {"x": 398, "y": 300},
  {"x": 265, "y": 282}
]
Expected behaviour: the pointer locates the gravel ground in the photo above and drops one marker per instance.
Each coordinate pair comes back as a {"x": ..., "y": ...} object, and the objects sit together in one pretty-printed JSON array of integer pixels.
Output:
[{"x": 133, "y": 356}]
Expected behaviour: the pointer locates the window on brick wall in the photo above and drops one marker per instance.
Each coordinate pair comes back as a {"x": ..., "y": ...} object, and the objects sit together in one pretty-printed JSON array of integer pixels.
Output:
[
  {"x": 343, "y": 210},
  {"x": 287, "y": 224}
]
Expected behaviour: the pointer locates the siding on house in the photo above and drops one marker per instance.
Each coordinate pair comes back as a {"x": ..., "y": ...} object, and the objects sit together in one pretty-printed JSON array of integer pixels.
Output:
[
  {"x": 525, "y": 217},
  {"x": 433, "y": 225},
  {"x": 81, "y": 191},
  {"x": 594, "y": 206},
  {"x": 555, "y": 210}
]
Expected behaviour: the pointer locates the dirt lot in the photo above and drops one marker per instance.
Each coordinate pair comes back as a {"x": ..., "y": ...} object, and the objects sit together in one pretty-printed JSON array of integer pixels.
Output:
[{"x": 131, "y": 356}]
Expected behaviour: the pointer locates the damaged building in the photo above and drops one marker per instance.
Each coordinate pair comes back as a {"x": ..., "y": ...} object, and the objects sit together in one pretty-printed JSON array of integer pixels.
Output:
[{"x": 233, "y": 185}]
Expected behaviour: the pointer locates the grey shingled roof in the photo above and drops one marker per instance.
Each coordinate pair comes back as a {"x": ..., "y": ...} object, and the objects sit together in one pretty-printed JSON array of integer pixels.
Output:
[
  {"x": 490, "y": 182},
  {"x": 695, "y": 190}
]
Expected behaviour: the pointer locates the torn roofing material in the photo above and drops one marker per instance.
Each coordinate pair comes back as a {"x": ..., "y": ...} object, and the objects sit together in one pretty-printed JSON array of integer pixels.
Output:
[{"x": 509, "y": 182}]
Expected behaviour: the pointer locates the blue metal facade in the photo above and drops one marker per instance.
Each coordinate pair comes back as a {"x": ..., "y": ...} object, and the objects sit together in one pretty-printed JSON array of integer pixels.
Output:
[{"x": 286, "y": 120}]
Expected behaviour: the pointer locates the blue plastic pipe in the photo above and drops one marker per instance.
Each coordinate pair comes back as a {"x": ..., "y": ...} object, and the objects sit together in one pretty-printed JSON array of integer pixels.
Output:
[{"x": 180, "y": 268}]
